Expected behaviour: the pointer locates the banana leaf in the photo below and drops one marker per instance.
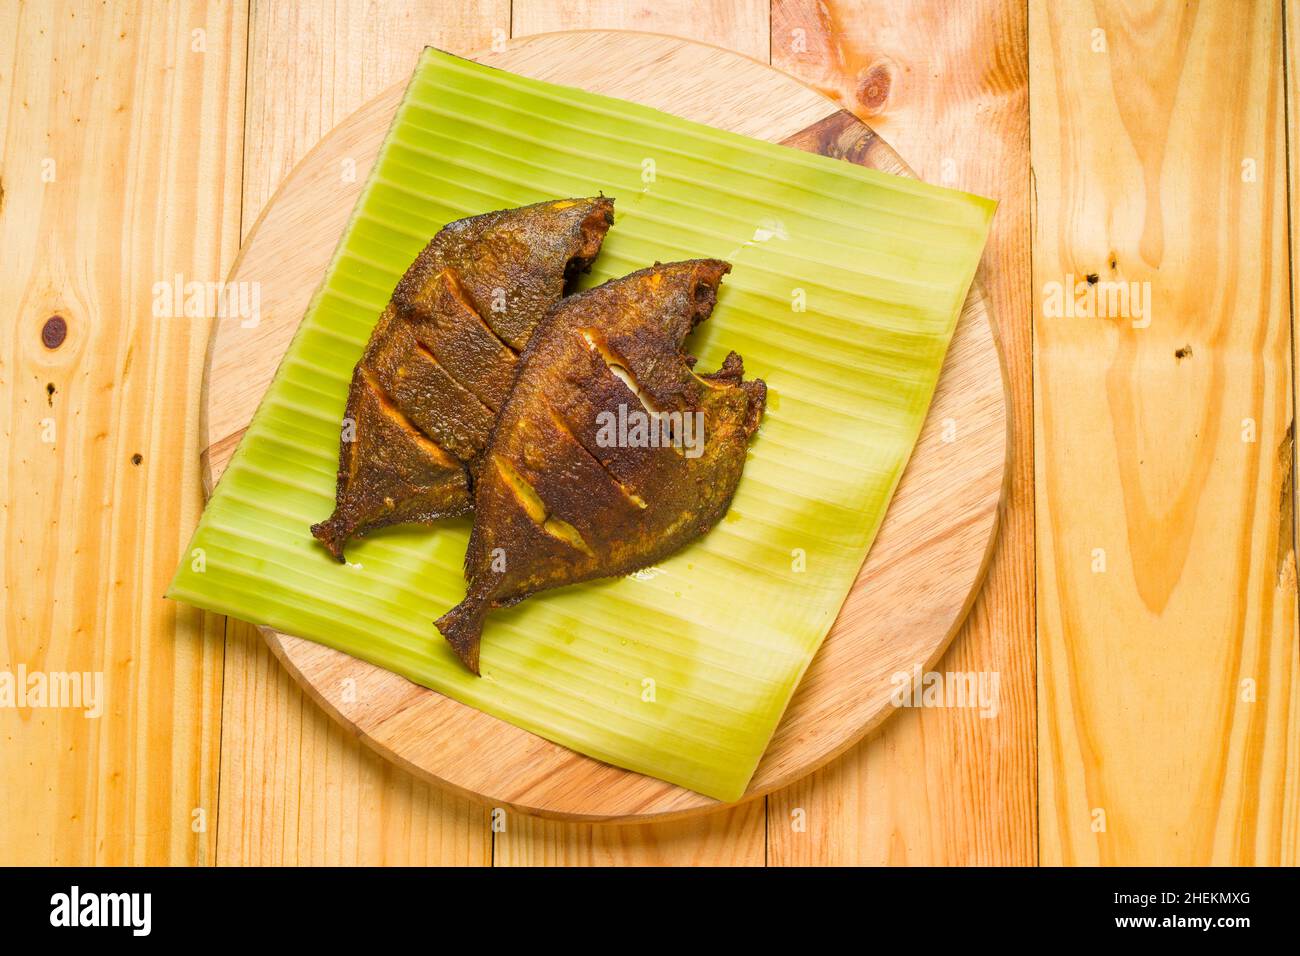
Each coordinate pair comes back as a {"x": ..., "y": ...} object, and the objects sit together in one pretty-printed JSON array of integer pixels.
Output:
[{"x": 846, "y": 287}]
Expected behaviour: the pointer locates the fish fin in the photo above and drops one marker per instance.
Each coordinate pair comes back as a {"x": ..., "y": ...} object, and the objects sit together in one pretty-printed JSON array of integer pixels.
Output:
[
  {"x": 462, "y": 626},
  {"x": 756, "y": 390},
  {"x": 333, "y": 532}
]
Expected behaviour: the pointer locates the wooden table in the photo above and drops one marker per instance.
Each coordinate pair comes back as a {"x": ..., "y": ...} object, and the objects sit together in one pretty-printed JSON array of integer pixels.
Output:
[{"x": 1141, "y": 608}]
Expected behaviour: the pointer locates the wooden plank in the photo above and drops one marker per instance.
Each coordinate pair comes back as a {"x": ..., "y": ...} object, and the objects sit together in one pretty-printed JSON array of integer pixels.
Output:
[
  {"x": 947, "y": 88},
  {"x": 732, "y": 837},
  {"x": 740, "y": 25},
  {"x": 1166, "y": 566},
  {"x": 120, "y": 125},
  {"x": 296, "y": 789},
  {"x": 1291, "y": 55}
]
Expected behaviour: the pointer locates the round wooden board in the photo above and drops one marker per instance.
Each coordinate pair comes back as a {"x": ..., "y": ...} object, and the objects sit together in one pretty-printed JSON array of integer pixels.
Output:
[{"x": 919, "y": 579}]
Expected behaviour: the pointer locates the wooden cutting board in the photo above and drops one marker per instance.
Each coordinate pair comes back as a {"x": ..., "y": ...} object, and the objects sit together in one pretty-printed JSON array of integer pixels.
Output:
[{"x": 914, "y": 589}]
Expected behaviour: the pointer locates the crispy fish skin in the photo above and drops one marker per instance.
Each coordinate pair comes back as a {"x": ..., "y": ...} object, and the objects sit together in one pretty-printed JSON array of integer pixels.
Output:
[
  {"x": 442, "y": 358},
  {"x": 512, "y": 265},
  {"x": 554, "y": 503}
]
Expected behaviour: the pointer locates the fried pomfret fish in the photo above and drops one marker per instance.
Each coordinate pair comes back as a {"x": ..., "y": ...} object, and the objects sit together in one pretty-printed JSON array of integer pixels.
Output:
[
  {"x": 441, "y": 360},
  {"x": 611, "y": 453}
]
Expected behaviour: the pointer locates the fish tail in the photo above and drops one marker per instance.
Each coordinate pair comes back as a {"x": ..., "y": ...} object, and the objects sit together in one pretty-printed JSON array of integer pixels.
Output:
[
  {"x": 333, "y": 532},
  {"x": 462, "y": 626}
]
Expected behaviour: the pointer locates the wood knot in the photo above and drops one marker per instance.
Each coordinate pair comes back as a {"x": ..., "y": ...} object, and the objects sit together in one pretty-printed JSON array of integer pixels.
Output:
[
  {"x": 54, "y": 331},
  {"x": 873, "y": 90},
  {"x": 137, "y": 458}
]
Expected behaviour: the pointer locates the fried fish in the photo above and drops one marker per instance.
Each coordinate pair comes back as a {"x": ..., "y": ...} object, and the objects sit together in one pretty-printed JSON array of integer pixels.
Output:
[
  {"x": 611, "y": 453},
  {"x": 441, "y": 360}
]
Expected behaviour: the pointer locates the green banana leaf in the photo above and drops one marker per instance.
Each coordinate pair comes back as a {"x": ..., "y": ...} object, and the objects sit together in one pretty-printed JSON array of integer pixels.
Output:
[{"x": 846, "y": 287}]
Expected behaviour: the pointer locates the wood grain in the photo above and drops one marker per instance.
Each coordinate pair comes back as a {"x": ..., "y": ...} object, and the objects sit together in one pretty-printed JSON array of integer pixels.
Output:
[
  {"x": 915, "y": 587},
  {"x": 733, "y": 837},
  {"x": 947, "y": 87},
  {"x": 1168, "y": 676},
  {"x": 295, "y": 788},
  {"x": 739, "y": 25},
  {"x": 1290, "y": 827},
  {"x": 94, "y": 519}
]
